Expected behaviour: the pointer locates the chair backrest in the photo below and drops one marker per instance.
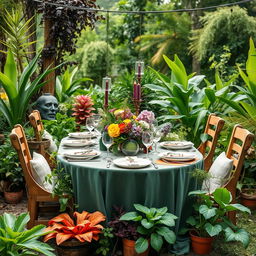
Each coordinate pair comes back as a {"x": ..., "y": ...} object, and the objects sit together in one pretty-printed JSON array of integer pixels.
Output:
[
  {"x": 240, "y": 141},
  {"x": 213, "y": 128},
  {"x": 36, "y": 122},
  {"x": 19, "y": 142}
]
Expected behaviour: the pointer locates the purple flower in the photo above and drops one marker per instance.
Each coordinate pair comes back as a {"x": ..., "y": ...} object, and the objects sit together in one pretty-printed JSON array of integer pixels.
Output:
[
  {"x": 136, "y": 131},
  {"x": 127, "y": 114},
  {"x": 147, "y": 116}
]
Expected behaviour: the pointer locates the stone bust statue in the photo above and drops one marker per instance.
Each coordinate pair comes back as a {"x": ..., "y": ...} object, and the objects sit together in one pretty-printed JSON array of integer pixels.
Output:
[{"x": 47, "y": 105}]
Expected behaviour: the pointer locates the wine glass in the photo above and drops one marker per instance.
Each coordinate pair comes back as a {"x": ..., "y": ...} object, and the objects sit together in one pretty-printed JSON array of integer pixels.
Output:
[
  {"x": 147, "y": 139},
  {"x": 107, "y": 141},
  {"x": 157, "y": 136},
  {"x": 90, "y": 125},
  {"x": 97, "y": 121}
]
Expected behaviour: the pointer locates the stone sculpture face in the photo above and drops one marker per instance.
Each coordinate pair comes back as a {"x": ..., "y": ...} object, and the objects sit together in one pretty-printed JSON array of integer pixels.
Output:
[{"x": 47, "y": 106}]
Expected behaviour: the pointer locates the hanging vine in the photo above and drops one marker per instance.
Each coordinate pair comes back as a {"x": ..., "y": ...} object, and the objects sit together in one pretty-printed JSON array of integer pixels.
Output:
[{"x": 67, "y": 24}]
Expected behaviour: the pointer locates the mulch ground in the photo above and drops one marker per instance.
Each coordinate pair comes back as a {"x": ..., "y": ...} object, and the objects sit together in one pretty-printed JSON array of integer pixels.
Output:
[{"x": 220, "y": 247}]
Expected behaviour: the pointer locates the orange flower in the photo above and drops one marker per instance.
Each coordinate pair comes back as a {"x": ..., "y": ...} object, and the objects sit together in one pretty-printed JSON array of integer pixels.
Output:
[
  {"x": 122, "y": 127},
  {"x": 87, "y": 227}
]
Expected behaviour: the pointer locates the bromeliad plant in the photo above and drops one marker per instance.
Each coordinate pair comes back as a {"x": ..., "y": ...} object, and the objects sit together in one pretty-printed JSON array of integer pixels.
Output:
[
  {"x": 211, "y": 219},
  {"x": 19, "y": 89},
  {"x": 86, "y": 228},
  {"x": 153, "y": 225},
  {"x": 16, "y": 240}
]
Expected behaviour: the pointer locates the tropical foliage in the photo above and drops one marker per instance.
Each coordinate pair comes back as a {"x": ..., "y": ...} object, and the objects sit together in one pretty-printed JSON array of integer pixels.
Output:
[
  {"x": 19, "y": 89},
  {"x": 211, "y": 216},
  {"x": 86, "y": 228},
  {"x": 16, "y": 240},
  {"x": 154, "y": 224}
]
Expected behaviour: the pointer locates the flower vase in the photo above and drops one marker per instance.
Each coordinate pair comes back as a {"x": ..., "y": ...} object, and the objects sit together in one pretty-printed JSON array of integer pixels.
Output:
[{"x": 130, "y": 147}]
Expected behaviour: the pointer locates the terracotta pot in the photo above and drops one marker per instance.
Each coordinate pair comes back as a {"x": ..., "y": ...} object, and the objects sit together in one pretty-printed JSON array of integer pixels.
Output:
[
  {"x": 201, "y": 245},
  {"x": 248, "y": 199},
  {"x": 74, "y": 248},
  {"x": 129, "y": 249},
  {"x": 13, "y": 197}
]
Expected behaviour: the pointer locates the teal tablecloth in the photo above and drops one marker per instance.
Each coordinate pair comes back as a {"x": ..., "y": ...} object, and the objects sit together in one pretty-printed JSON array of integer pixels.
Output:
[{"x": 98, "y": 188}]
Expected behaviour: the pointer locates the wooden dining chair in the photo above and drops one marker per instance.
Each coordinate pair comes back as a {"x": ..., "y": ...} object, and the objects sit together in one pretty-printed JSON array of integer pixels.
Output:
[
  {"x": 36, "y": 194},
  {"x": 36, "y": 122},
  {"x": 213, "y": 128},
  {"x": 240, "y": 141}
]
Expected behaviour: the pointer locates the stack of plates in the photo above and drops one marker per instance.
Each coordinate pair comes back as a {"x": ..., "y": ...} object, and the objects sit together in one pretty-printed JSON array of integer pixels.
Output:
[
  {"x": 82, "y": 155},
  {"x": 132, "y": 162},
  {"x": 176, "y": 144},
  {"x": 78, "y": 143},
  {"x": 82, "y": 135},
  {"x": 177, "y": 156}
]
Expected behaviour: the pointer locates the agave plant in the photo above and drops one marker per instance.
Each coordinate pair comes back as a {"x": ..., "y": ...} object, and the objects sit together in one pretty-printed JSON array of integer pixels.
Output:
[
  {"x": 82, "y": 108},
  {"x": 86, "y": 228},
  {"x": 17, "y": 240},
  {"x": 66, "y": 85},
  {"x": 19, "y": 89}
]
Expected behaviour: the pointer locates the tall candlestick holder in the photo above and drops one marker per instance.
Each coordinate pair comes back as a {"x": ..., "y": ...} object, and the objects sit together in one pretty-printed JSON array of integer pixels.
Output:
[
  {"x": 139, "y": 72},
  {"x": 136, "y": 103}
]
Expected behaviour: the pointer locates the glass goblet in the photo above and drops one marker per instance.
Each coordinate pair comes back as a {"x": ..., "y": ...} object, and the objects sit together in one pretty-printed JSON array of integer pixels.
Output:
[
  {"x": 90, "y": 125},
  {"x": 147, "y": 139},
  {"x": 107, "y": 141}
]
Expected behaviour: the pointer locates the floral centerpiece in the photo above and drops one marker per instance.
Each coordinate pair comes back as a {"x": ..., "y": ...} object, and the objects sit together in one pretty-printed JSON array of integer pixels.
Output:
[{"x": 124, "y": 127}]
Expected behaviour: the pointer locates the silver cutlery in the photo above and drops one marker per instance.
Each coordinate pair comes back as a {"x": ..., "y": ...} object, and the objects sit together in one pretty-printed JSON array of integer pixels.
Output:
[
  {"x": 82, "y": 160},
  {"x": 109, "y": 162},
  {"x": 155, "y": 166}
]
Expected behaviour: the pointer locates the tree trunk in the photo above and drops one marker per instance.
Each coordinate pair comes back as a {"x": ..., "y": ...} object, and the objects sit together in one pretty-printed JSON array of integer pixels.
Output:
[
  {"x": 49, "y": 57},
  {"x": 2, "y": 55}
]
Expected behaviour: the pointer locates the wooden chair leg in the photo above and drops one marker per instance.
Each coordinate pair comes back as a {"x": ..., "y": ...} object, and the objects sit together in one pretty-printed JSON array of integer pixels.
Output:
[{"x": 33, "y": 212}]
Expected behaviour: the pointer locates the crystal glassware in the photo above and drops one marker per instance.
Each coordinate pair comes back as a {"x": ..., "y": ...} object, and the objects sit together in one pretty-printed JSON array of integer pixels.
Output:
[
  {"x": 147, "y": 139},
  {"x": 107, "y": 141}
]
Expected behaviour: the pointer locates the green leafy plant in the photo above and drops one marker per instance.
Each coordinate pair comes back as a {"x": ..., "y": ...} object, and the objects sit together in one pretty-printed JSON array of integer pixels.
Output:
[
  {"x": 19, "y": 89},
  {"x": 245, "y": 106},
  {"x": 179, "y": 97},
  {"x": 10, "y": 170},
  {"x": 62, "y": 187},
  {"x": 153, "y": 225},
  {"x": 17, "y": 31},
  {"x": 66, "y": 85},
  {"x": 105, "y": 242},
  {"x": 16, "y": 240},
  {"x": 211, "y": 218},
  {"x": 60, "y": 127}
]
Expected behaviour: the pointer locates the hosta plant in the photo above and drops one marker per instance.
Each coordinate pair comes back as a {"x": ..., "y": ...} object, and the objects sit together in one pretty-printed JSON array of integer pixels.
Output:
[
  {"x": 82, "y": 108},
  {"x": 85, "y": 229},
  {"x": 210, "y": 218},
  {"x": 16, "y": 240},
  {"x": 154, "y": 226}
]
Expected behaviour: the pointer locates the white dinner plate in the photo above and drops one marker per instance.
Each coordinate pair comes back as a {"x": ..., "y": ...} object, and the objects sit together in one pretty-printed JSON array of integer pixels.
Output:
[
  {"x": 132, "y": 162},
  {"x": 176, "y": 144},
  {"x": 78, "y": 143},
  {"x": 177, "y": 156},
  {"x": 85, "y": 154},
  {"x": 82, "y": 135}
]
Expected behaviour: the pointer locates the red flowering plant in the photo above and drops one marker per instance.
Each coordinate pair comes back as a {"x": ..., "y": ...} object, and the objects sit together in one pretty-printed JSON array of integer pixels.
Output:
[
  {"x": 122, "y": 125},
  {"x": 86, "y": 228}
]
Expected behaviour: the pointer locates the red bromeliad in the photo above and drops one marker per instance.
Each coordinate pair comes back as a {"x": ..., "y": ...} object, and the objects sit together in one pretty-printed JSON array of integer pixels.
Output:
[{"x": 86, "y": 228}]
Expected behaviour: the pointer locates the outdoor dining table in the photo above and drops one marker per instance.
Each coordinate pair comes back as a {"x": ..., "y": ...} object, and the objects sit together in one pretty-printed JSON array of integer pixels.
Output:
[{"x": 98, "y": 188}]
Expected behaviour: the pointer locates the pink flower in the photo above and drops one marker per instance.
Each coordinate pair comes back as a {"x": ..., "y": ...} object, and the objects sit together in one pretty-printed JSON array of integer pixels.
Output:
[{"x": 147, "y": 116}]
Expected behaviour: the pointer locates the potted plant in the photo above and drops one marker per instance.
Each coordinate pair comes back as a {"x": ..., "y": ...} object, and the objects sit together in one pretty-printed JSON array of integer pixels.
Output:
[
  {"x": 73, "y": 237},
  {"x": 210, "y": 220},
  {"x": 11, "y": 173},
  {"x": 248, "y": 192},
  {"x": 17, "y": 240},
  {"x": 153, "y": 226}
]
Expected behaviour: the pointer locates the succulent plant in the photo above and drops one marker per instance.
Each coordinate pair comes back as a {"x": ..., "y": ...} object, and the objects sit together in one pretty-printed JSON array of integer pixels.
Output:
[{"x": 82, "y": 108}]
